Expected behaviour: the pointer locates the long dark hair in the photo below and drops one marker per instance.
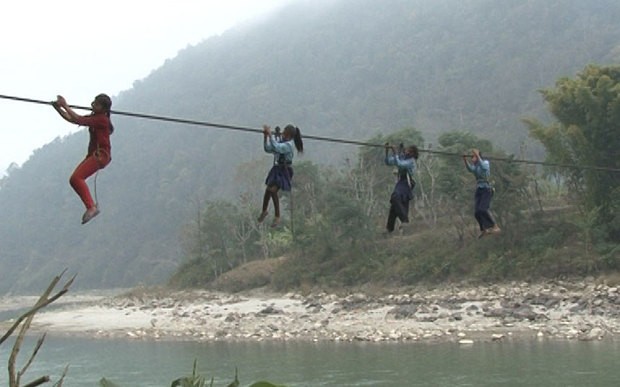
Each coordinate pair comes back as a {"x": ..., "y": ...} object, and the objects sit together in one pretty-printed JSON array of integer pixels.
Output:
[
  {"x": 106, "y": 103},
  {"x": 415, "y": 153},
  {"x": 295, "y": 133}
]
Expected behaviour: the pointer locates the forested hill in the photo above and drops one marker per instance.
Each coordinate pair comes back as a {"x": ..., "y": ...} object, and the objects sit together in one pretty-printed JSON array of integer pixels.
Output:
[{"x": 345, "y": 68}]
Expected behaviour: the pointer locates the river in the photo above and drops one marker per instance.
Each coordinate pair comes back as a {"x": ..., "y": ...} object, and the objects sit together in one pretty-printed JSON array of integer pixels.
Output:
[{"x": 131, "y": 363}]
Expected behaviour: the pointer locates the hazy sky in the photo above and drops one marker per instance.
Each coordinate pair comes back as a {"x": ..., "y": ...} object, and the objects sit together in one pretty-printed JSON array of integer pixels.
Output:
[{"x": 81, "y": 48}]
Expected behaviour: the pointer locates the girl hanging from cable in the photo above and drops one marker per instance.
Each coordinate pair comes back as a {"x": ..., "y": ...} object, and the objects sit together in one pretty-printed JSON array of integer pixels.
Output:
[
  {"x": 99, "y": 149},
  {"x": 281, "y": 174},
  {"x": 405, "y": 161},
  {"x": 481, "y": 168}
]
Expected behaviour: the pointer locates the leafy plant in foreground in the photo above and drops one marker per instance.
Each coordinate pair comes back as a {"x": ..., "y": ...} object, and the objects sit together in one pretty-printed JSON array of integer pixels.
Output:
[{"x": 196, "y": 380}]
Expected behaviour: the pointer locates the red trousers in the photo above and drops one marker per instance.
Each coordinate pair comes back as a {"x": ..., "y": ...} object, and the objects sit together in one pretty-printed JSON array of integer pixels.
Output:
[{"x": 86, "y": 168}]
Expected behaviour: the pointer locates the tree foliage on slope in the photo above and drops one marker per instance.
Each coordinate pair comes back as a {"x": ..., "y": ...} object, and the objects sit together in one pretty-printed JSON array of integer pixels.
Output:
[
  {"x": 587, "y": 132},
  {"x": 339, "y": 218},
  {"x": 347, "y": 68}
]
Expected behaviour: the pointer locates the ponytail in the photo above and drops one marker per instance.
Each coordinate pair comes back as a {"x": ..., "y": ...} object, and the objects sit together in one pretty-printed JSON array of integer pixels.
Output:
[
  {"x": 415, "y": 153},
  {"x": 106, "y": 102},
  {"x": 111, "y": 126},
  {"x": 293, "y": 132},
  {"x": 299, "y": 144}
]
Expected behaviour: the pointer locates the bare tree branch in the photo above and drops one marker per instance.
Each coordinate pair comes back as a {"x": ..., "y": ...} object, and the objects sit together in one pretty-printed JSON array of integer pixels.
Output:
[
  {"x": 39, "y": 305},
  {"x": 38, "y": 382},
  {"x": 29, "y": 362},
  {"x": 62, "y": 377},
  {"x": 25, "y": 320}
]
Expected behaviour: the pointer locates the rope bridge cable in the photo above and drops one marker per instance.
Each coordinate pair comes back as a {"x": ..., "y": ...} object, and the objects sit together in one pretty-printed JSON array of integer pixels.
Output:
[{"x": 313, "y": 137}]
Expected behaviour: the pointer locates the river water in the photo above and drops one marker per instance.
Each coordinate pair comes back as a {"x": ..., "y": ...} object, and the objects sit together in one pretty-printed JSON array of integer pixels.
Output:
[{"x": 131, "y": 363}]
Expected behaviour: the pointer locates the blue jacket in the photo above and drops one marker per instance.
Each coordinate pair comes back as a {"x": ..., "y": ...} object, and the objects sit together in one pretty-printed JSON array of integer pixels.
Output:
[
  {"x": 482, "y": 170},
  {"x": 283, "y": 151},
  {"x": 405, "y": 166}
]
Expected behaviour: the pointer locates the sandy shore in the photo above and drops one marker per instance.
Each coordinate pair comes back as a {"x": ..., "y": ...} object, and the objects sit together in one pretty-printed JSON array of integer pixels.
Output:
[{"x": 575, "y": 310}]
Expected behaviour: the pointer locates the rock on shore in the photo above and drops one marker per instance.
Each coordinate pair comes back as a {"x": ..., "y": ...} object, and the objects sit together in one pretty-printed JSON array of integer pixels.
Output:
[{"x": 575, "y": 310}]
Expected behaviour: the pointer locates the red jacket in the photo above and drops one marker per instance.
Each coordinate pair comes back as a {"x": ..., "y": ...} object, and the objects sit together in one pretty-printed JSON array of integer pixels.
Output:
[{"x": 99, "y": 129}]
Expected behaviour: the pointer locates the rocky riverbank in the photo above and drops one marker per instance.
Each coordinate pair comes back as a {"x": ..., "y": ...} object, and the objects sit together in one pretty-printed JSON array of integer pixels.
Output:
[{"x": 564, "y": 310}]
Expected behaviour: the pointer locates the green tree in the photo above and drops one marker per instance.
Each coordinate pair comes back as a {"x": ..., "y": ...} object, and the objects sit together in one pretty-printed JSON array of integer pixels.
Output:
[
  {"x": 456, "y": 184},
  {"x": 372, "y": 179},
  {"x": 223, "y": 236},
  {"x": 587, "y": 132}
]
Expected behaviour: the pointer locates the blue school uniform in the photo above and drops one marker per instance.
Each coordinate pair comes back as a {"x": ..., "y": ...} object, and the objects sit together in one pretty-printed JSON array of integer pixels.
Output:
[
  {"x": 281, "y": 174},
  {"x": 484, "y": 193},
  {"x": 403, "y": 191}
]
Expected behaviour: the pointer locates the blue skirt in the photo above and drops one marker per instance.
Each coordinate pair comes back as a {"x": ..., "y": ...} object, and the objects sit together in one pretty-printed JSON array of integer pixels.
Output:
[
  {"x": 402, "y": 192},
  {"x": 280, "y": 176}
]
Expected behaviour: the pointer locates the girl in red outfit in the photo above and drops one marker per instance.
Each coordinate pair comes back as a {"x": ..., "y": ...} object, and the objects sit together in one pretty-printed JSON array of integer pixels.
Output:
[{"x": 98, "y": 156}]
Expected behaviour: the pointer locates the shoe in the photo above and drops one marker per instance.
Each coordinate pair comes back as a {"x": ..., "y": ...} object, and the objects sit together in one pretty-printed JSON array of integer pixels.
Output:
[
  {"x": 483, "y": 233},
  {"x": 262, "y": 216},
  {"x": 494, "y": 230},
  {"x": 89, "y": 214},
  {"x": 275, "y": 223},
  {"x": 403, "y": 228}
]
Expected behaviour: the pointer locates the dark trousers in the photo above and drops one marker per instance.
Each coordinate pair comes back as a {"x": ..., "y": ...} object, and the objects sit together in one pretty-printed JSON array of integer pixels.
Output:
[
  {"x": 482, "y": 202},
  {"x": 399, "y": 204}
]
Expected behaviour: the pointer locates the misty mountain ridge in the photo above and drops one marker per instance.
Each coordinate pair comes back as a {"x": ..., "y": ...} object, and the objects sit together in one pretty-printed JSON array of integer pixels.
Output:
[{"x": 343, "y": 68}]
